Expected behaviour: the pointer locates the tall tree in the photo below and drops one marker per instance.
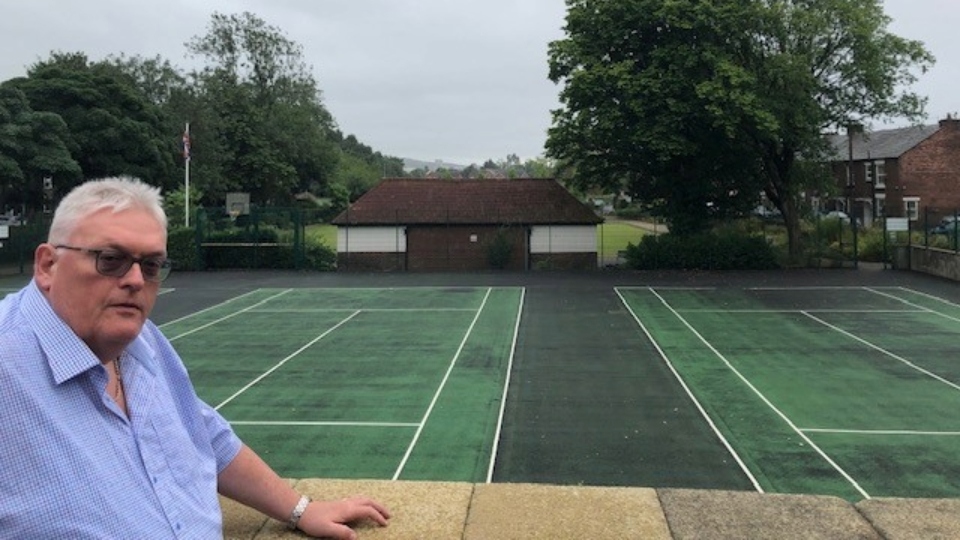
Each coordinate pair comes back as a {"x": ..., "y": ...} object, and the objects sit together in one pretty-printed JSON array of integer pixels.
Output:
[
  {"x": 698, "y": 105},
  {"x": 272, "y": 128},
  {"x": 114, "y": 129},
  {"x": 33, "y": 146}
]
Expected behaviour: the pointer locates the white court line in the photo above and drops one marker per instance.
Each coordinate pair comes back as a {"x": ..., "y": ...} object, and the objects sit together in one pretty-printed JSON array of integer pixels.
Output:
[
  {"x": 285, "y": 360},
  {"x": 322, "y": 423},
  {"x": 436, "y": 395},
  {"x": 703, "y": 412},
  {"x": 204, "y": 310},
  {"x": 799, "y": 310},
  {"x": 230, "y": 316},
  {"x": 759, "y": 394},
  {"x": 918, "y": 306},
  {"x": 930, "y": 296},
  {"x": 809, "y": 288},
  {"x": 882, "y": 432},
  {"x": 884, "y": 351},
  {"x": 506, "y": 386},
  {"x": 368, "y": 310},
  {"x": 667, "y": 288}
]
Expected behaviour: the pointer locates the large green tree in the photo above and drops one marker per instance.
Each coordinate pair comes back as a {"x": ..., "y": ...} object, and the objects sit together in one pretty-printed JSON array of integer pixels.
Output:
[
  {"x": 272, "y": 130},
  {"x": 33, "y": 146},
  {"x": 113, "y": 128},
  {"x": 695, "y": 106}
]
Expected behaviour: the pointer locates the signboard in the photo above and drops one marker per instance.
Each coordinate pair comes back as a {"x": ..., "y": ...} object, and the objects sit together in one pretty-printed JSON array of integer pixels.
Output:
[
  {"x": 238, "y": 204},
  {"x": 898, "y": 224},
  {"x": 4, "y": 231}
]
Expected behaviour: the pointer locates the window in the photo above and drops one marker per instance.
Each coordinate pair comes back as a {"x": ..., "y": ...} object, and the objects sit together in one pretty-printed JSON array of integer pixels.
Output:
[
  {"x": 911, "y": 207},
  {"x": 880, "y": 174},
  {"x": 875, "y": 172},
  {"x": 879, "y": 204},
  {"x": 849, "y": 175}
]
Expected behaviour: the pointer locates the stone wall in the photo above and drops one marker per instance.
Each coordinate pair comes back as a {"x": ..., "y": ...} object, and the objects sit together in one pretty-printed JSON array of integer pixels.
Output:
[{"x": 934, "y": 261}]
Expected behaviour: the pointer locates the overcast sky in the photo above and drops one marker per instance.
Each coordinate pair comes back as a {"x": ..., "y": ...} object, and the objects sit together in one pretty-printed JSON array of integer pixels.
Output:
[{"x": 459, "y": 80}]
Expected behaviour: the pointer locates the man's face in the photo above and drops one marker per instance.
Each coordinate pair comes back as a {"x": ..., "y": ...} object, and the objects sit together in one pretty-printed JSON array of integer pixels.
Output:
[{"x": 106, "y": 312}]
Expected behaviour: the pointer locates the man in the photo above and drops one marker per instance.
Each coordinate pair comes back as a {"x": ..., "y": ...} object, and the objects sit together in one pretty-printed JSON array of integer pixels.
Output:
[{"x": 101, "y": 432}]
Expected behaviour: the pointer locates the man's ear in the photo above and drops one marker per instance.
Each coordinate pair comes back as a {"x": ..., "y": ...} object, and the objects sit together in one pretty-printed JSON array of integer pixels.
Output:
[{"x": 44, "y": 265}]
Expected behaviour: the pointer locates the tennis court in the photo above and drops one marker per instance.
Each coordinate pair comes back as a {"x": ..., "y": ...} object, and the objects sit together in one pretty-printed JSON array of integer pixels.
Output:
[
  {"x": 841, "y": 383},
  {"x": 848, "y": 391},
  {"x": 359, "y": 383}
]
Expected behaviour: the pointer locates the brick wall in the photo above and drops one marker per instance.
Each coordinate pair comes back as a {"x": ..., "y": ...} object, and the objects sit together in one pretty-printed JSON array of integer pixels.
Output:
[
  {"x": 462, "y": 247},
  {"x": 931, "y": 171}
]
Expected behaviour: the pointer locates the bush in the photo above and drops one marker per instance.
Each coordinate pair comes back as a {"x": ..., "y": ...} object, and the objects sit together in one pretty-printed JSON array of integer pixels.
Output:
[
  {"x": 870, "y": 245},
  {"x": 319, "y": 256},
  {"x": 237, "y": 249},
  {"x": 499, "y": 249},
  {"x": 182, "y": 249},
  {"x": 632, "y": 212},
  {"x": 708, "y": 251}
]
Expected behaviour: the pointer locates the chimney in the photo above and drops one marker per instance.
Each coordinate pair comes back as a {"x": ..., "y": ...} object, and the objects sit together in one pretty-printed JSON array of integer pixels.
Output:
[{"x": 950, "y": 123}]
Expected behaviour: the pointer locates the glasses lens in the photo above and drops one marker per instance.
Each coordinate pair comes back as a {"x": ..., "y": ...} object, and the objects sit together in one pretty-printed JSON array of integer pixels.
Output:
[
  {"x": 113, "y": 263},
  {"x": 155, "y": 269}
]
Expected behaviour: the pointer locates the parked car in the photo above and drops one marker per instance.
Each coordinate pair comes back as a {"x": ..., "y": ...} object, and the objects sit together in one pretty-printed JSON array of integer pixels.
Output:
[
  {"x": 836, "y": 214},
  {"x": 947, "y": 225},
  {"x": 6, "y": 219},
  {"x": 766, "y": 213}
]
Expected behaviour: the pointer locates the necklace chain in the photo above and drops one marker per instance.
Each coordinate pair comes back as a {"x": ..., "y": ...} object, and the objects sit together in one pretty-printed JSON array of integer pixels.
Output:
[{"x": 119, "y": 388}]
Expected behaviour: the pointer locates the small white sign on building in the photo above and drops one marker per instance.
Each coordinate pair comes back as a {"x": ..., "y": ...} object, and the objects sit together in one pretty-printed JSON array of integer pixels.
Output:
[
  {"x": 898, "y": 224},
  {"x": 4, "y": 231}
]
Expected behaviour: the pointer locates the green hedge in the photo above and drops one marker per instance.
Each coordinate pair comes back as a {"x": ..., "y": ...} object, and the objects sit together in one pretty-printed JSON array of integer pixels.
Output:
[
  {"x": 709, "y": 251},
  {"x": 182, "y": 248}
]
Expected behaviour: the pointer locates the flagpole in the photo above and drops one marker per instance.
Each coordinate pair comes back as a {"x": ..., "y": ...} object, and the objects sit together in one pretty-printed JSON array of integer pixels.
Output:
[{"x": 186, "y": 178}]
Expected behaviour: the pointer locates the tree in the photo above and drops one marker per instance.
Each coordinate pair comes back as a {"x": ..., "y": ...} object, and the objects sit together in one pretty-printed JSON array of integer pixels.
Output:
[
  {"x": 696, "y": 106},
  {"x": 274, "y": 134},
  {"x": 113, "y": 128},
  {"x": 33, "y": 146}
]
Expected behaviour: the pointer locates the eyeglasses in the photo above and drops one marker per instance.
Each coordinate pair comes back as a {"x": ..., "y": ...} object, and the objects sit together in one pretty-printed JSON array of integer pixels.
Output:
[{"x": 116, "y": 263}]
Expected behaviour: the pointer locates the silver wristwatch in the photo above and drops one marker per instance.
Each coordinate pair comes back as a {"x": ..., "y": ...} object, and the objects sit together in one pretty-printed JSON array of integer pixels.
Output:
[{"x": 298, "y": 511}]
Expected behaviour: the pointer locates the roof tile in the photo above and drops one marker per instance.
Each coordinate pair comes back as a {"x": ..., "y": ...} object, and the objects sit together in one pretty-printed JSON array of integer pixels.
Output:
[{"x": 532, "y": 201}]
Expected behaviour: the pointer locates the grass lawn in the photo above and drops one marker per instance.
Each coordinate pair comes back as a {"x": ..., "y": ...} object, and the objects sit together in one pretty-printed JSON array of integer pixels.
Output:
[
  {"x": 323, "y": 232},
  {"x": 613, "y": 237}
]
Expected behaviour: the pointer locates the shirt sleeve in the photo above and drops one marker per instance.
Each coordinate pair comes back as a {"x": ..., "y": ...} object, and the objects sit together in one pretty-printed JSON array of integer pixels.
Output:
[{"x": 226, "y": 445}]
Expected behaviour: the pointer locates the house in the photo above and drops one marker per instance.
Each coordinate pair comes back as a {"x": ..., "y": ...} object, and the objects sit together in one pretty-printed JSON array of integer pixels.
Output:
[
  {"x": 432, "y": 224},
  {"x": 911, "y": 172}
]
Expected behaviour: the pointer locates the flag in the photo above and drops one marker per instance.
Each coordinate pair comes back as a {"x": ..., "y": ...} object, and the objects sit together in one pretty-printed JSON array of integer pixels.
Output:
[{"x": 186, "y": 143}]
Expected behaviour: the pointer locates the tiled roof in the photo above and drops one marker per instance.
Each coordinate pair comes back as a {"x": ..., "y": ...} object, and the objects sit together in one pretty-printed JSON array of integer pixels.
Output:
[
  {"x": 888, "y": 143},
  {"x": 530, "y": 201}
]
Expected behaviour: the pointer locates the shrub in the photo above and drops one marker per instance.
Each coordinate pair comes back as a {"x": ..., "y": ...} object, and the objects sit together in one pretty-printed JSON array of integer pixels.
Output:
[
  {"x": 707, "y": 251},
  {"x": 632, "y": 212},
  {"x": 499, "y": 249},
  {"x": 182, "y": 249}
]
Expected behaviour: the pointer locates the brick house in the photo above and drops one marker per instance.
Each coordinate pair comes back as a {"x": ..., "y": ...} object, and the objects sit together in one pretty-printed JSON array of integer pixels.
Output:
[
  {"x": 911, "y": 172},
  {"x": 431, "y": 224}
]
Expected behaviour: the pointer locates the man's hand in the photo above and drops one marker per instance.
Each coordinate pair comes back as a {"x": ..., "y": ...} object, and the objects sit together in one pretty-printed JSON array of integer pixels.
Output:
[{"x": 330, "y": 519}]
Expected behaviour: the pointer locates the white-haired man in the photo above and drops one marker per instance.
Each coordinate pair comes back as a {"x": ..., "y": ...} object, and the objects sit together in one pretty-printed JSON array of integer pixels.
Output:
[{"x": 103, "y": 434}]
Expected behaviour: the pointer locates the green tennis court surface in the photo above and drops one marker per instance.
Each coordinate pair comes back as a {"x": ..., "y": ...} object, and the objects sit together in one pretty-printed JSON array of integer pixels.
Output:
[
  {"x": 351, "y": 383},
  {"x": 846, "y": 391}
]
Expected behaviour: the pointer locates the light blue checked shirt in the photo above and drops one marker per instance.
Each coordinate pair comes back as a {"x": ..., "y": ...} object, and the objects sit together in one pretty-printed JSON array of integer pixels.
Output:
[{"x": 72, "y": 465}]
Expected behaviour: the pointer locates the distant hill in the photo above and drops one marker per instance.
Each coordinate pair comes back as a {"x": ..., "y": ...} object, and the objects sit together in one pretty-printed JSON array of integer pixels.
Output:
[{"x": 410, "y": 164}]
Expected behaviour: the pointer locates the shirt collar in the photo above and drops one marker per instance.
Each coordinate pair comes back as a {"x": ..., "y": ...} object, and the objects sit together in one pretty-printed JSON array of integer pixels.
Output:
[{"x": 66, "y": 353}]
